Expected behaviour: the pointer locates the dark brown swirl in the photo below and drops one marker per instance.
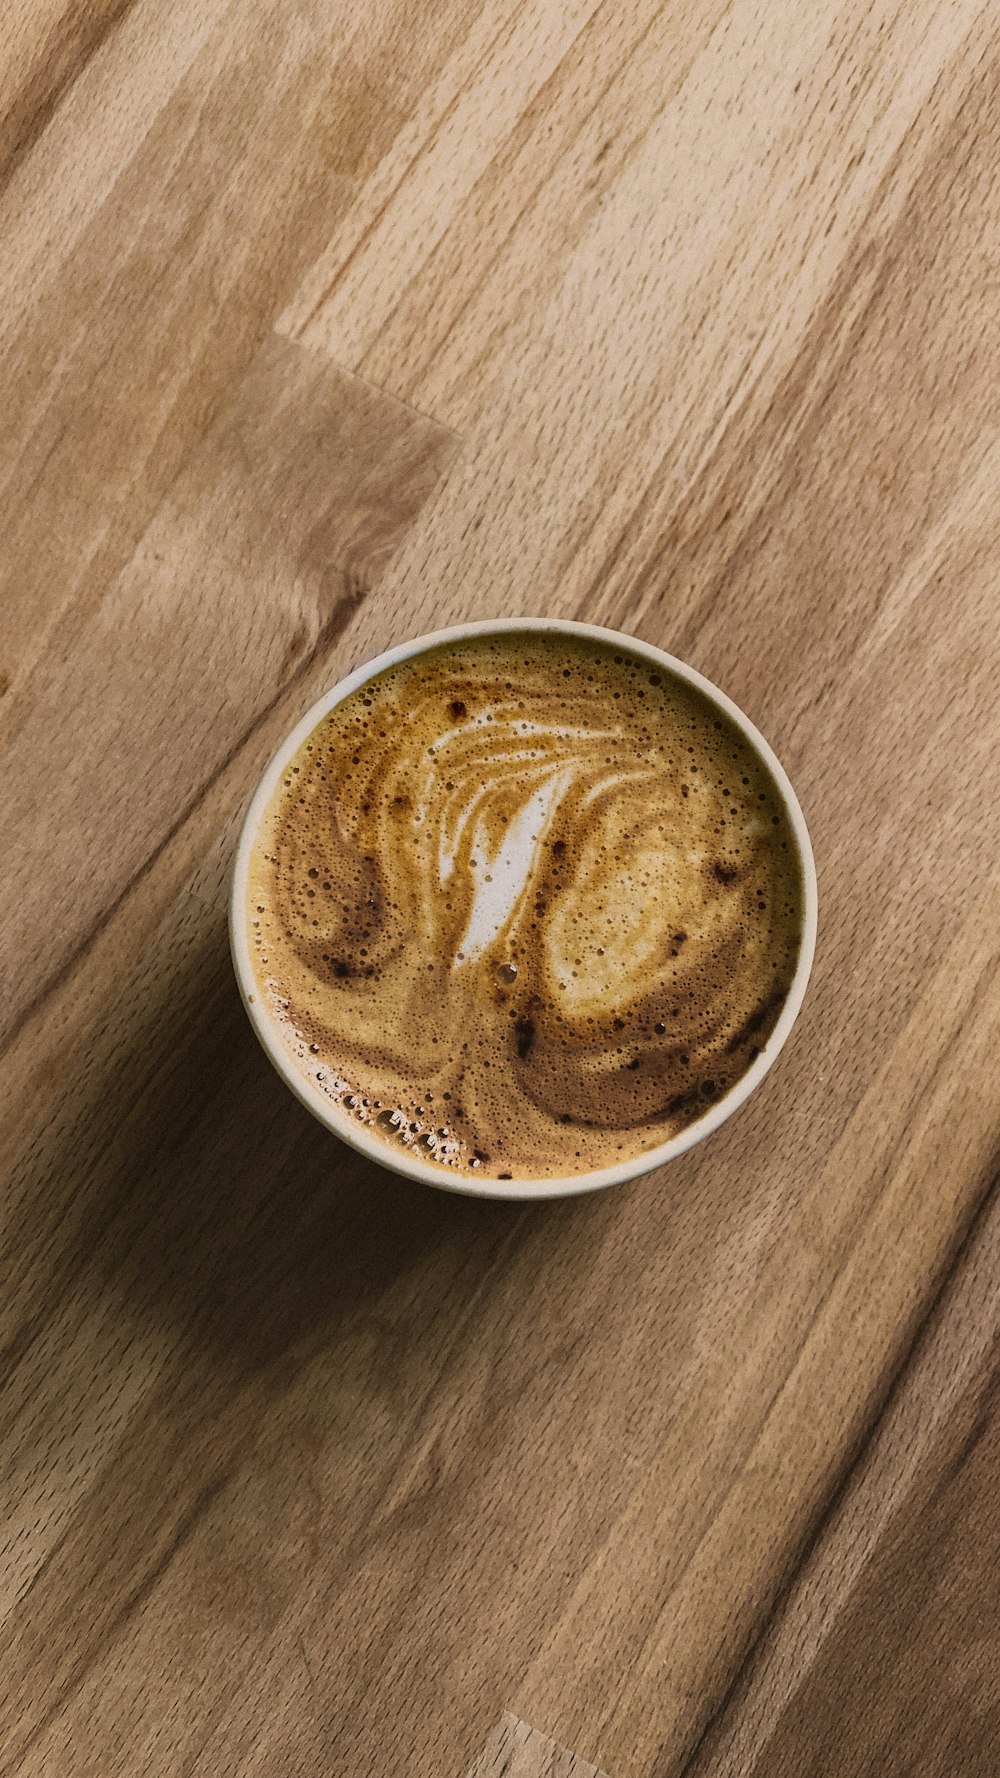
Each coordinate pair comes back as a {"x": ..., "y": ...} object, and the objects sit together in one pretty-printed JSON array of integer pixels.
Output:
[{"x": 526, "y": 904}]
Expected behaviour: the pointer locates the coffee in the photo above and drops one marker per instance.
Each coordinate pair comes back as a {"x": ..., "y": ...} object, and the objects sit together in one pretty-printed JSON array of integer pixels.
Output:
[{"x": 526, "y": 904}]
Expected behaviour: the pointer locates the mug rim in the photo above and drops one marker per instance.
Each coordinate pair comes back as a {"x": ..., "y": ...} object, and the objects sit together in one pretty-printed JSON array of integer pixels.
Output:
[{"x": 326, "y": 1111}]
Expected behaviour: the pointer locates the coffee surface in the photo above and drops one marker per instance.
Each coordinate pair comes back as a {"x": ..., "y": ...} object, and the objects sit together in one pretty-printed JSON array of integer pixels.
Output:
[{"x": 526, "y": 905}]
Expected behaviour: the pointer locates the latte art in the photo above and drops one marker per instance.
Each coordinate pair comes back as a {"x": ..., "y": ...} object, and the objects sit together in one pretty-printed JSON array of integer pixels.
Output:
[{"x": 526, "y": 904}]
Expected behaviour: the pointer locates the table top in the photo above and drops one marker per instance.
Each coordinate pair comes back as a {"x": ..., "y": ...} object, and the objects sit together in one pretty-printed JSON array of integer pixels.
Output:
[{"x": 323, "y": 327}]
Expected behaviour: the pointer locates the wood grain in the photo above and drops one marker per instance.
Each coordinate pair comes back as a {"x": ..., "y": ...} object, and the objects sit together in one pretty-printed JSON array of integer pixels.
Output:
[
  {"x": 515, "y": 1750},
  {"x": 170, "y": 207},
  {"x": 266, "y": 544},
  {"x": 883, "y": 1659},
  {"x": 306, "y": 1470}
]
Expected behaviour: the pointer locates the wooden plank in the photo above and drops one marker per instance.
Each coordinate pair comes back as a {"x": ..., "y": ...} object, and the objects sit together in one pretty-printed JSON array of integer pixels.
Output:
[
  {"x": 47, "y": 43},
  {"x": 883, "y": 1658},
  {"x": 160, "y": 221},
  {"x": 596, "y": 432},
  {"x": 639, "y": 192},
  {"x": 258, "y": 558},
  {"x": 271, "y": 538}
]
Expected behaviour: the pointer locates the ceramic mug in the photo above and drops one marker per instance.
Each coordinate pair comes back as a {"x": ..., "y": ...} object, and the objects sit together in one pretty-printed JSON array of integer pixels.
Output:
[{"x": 328, "y": 1111}]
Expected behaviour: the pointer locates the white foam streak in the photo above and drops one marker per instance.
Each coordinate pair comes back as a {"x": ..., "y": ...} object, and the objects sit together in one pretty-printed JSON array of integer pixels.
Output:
[
  {"x": 524, "y": 763},
  {"x": 498, "y": 721},
  {"x": 612, "y": 780},
  {"x": 510, "y": 868}
]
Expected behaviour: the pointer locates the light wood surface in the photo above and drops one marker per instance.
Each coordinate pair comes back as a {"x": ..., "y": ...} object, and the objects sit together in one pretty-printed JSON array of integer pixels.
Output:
[
  {"x": 883, "y": 1658},
  {"x": 515, "y": 1750},
  {"x": 322, "y": 327}
]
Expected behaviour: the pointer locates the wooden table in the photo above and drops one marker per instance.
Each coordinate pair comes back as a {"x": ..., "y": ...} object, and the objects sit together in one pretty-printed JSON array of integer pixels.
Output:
[{"x": 322, "y": 326}]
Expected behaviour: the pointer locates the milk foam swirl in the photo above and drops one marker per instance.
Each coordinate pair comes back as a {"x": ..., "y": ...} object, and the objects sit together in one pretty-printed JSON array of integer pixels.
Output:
[{"x": 526, "y": 904}]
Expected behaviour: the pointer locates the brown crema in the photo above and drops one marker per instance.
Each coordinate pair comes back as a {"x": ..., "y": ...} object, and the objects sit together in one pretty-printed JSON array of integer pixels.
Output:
[{"x": 526, "y": 904}]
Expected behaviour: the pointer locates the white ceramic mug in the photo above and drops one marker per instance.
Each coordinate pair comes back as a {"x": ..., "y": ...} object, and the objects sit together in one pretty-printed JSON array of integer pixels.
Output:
[{"x": 328, "y": 1111}]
